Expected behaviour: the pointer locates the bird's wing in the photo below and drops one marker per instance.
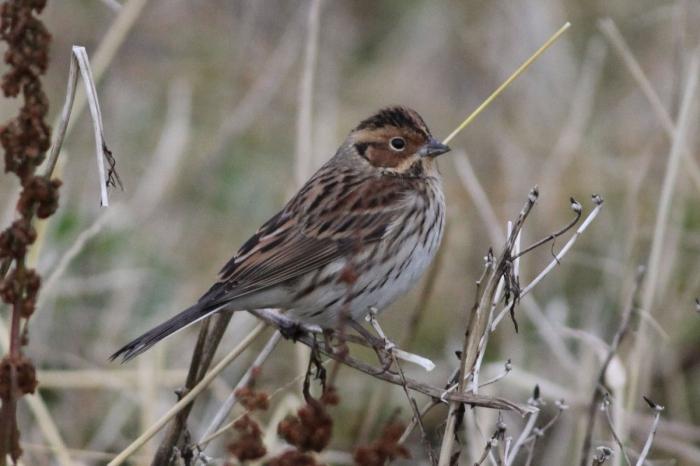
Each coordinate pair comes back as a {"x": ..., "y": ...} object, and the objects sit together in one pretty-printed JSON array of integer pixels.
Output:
[{"x": 334, "y": 215}]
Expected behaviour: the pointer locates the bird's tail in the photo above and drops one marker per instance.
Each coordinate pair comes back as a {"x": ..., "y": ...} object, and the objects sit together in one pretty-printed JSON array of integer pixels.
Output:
[{"x": 167, "y": 328}]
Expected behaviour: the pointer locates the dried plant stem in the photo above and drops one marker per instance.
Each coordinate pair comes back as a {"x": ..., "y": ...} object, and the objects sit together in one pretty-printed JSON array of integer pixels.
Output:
[
  {"x": 611, "y": 426},
  {"x": 42, "y": 414},
  {"x": 304, "y": 147},
  {"x": 306, "y": 336},
  {"x": 507, "y": 82},
  {"x": 639, "y": 354},
  {"x": 210, "y": 335},
  {"x": 469, "y": 180},
  {"x": 557, "y": 259},
  {"x": 612, "y": 33},
  {"x": 513, "y": 452},
  {"x": 597, "y": 396},
  {"x": 416, "y": 412},
  {"x": 227, "y": 406},
  {"x": 103, "y": 56},
  {"x": 478, "y": 323},
  {"x": 189, "y": 397},
  {"x": 650, "y": 439}
]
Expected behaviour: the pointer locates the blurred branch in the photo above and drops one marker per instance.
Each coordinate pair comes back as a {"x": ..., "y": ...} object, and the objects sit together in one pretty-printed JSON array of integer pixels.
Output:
[
  {"x": 507, "y": 82},
  {"x": 612, "y": 34},
  {"x": 477, "y": 324},
  {"x": 481, "y": 202},
  {"x": 191, "y": 394},
  {"x": 306, "y": 335},
  {"x": 103, "y": 56},
  {"x": 650, "y": 439},
  {"x": 620, "y": 334},
  {"x": 230, "y": 402},
  {"x": 598, "y": 201},
  {"x": 641, "y": 345},
  {"x": 304, "y": 148}
]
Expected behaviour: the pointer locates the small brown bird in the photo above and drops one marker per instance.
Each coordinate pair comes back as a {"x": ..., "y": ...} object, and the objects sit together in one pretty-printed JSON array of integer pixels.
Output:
[{"x": 356, "y": 236}]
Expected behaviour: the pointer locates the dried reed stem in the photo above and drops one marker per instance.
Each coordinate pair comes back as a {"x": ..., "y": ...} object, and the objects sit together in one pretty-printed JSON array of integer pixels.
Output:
[
  {"x": 507, "y": 82},
  {"x": 189, "y": 397},
  {"x": 640, "y": 351}
]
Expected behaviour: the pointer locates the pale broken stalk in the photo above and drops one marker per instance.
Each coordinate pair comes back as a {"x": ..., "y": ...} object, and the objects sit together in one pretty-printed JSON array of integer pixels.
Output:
[{"x": 80, "y": 62}]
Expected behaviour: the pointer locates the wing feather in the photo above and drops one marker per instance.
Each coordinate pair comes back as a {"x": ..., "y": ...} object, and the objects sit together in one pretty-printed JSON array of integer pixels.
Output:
[{"x": 324, "y": 222}]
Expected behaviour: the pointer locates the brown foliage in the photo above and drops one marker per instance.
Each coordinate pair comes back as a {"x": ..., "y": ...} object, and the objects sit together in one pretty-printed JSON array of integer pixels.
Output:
[
  {"x": 386, "y": 448},
  {"x": 311, "y": 429}
]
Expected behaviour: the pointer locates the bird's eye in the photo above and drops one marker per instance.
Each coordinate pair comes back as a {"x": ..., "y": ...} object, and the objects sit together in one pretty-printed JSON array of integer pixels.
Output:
[{"x": 398, "y": 144}]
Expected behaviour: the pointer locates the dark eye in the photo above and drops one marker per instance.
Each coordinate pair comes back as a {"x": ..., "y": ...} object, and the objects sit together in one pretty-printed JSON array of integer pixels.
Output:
[{"x": 398, "y": 144}]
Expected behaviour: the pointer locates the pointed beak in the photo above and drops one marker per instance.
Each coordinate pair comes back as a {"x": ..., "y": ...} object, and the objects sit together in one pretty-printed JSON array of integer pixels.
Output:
[{"x": 433, "y": 148}]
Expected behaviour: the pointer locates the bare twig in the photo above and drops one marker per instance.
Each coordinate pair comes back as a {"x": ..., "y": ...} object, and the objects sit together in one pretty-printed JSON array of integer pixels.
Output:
[
  {"x": 508, "y": 82},
  {"x": 620, "y": 334},
  {"x": 605, "y": 406},
  {"x": 306, "y": 336},
  {"x": 416, "y": 412},
  {"x": 598, "y": 201},
  {"x": 535, "y": 402},
  {"x": 189, "y": 397},
  {"x": 650, "y": 439},
  {"x": 230, "y": 402},
  {"x": 304, "y": 148},
  {"x": 641, "y": 345},
  {"x": 613, "y": 35},
  {"x": 478, "y": 322}
]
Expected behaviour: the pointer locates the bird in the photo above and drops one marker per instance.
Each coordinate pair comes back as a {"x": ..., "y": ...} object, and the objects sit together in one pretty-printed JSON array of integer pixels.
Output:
[{"x": 356, "y": 236}]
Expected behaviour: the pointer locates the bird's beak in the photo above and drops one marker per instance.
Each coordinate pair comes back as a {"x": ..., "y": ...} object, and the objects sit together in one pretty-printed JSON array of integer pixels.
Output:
[{"x": 433, "y": 148}]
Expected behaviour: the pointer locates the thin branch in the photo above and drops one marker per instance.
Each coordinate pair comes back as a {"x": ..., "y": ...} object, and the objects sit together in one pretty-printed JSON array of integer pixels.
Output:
[
  {"x": 304, "y": 147},
  {"x": 605, "y": 406},
  {"x": 478, "y": 322},
  {"x": 535, "y": 402},
  {"x": 650, "y": 439},
  {"x": 598, "y": 201},
  {"x": 80, "y": 55},
  {"x": 641, "y": 344},
  {"x": 620, "y": 334},
  {"x": 576, "y": 207},
  {"x": 416, "y": 412},
  {"x": 507, "y": 82},
  {"x": 189, "y": 397},
  {"x": 612, "y": 34},
  {"x": 306, "y": 337},
  {"x": 228, "y": 405}
]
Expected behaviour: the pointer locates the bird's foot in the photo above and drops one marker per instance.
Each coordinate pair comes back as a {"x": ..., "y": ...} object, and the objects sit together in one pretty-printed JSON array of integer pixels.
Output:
[{"x": 291, "y": 330}]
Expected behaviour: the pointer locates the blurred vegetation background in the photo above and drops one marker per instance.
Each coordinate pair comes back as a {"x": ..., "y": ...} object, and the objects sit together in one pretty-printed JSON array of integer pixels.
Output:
[{"x": 201, "y": 106}]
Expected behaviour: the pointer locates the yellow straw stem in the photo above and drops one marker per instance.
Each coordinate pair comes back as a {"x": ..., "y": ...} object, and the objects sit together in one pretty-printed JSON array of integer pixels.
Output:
[{"x": 507, "y": 82}]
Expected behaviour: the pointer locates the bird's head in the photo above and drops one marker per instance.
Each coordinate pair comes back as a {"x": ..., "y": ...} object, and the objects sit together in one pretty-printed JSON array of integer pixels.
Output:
[{"x": 396, "y": 141}]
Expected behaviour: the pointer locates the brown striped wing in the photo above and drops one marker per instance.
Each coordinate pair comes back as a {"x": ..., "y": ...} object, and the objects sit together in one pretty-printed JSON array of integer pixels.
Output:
[{"x": 334, "y": 215}]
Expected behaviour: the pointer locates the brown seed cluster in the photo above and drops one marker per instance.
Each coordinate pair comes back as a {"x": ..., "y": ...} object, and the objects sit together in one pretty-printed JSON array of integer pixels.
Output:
[
  {"x": 25, "y": 140},
  {"x": 294, "y": 458},
  {"x": 253, "y": 400},
  {"x": 386, "y": 448},
  {"x": 248, "y": 444},
  {"x": 312, "y": 427}
]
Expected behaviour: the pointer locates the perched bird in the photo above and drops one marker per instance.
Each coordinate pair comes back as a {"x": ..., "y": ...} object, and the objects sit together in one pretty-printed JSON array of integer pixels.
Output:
[{"x": 356, "y": 236}]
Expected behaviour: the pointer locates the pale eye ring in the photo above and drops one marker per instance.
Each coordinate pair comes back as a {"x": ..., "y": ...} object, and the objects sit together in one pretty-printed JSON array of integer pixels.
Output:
[{"x": 398, "y": 144}]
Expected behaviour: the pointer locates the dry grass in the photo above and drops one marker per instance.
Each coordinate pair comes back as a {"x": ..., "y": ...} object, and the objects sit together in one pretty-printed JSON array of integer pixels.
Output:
[{"x": 203, "y": 109}]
